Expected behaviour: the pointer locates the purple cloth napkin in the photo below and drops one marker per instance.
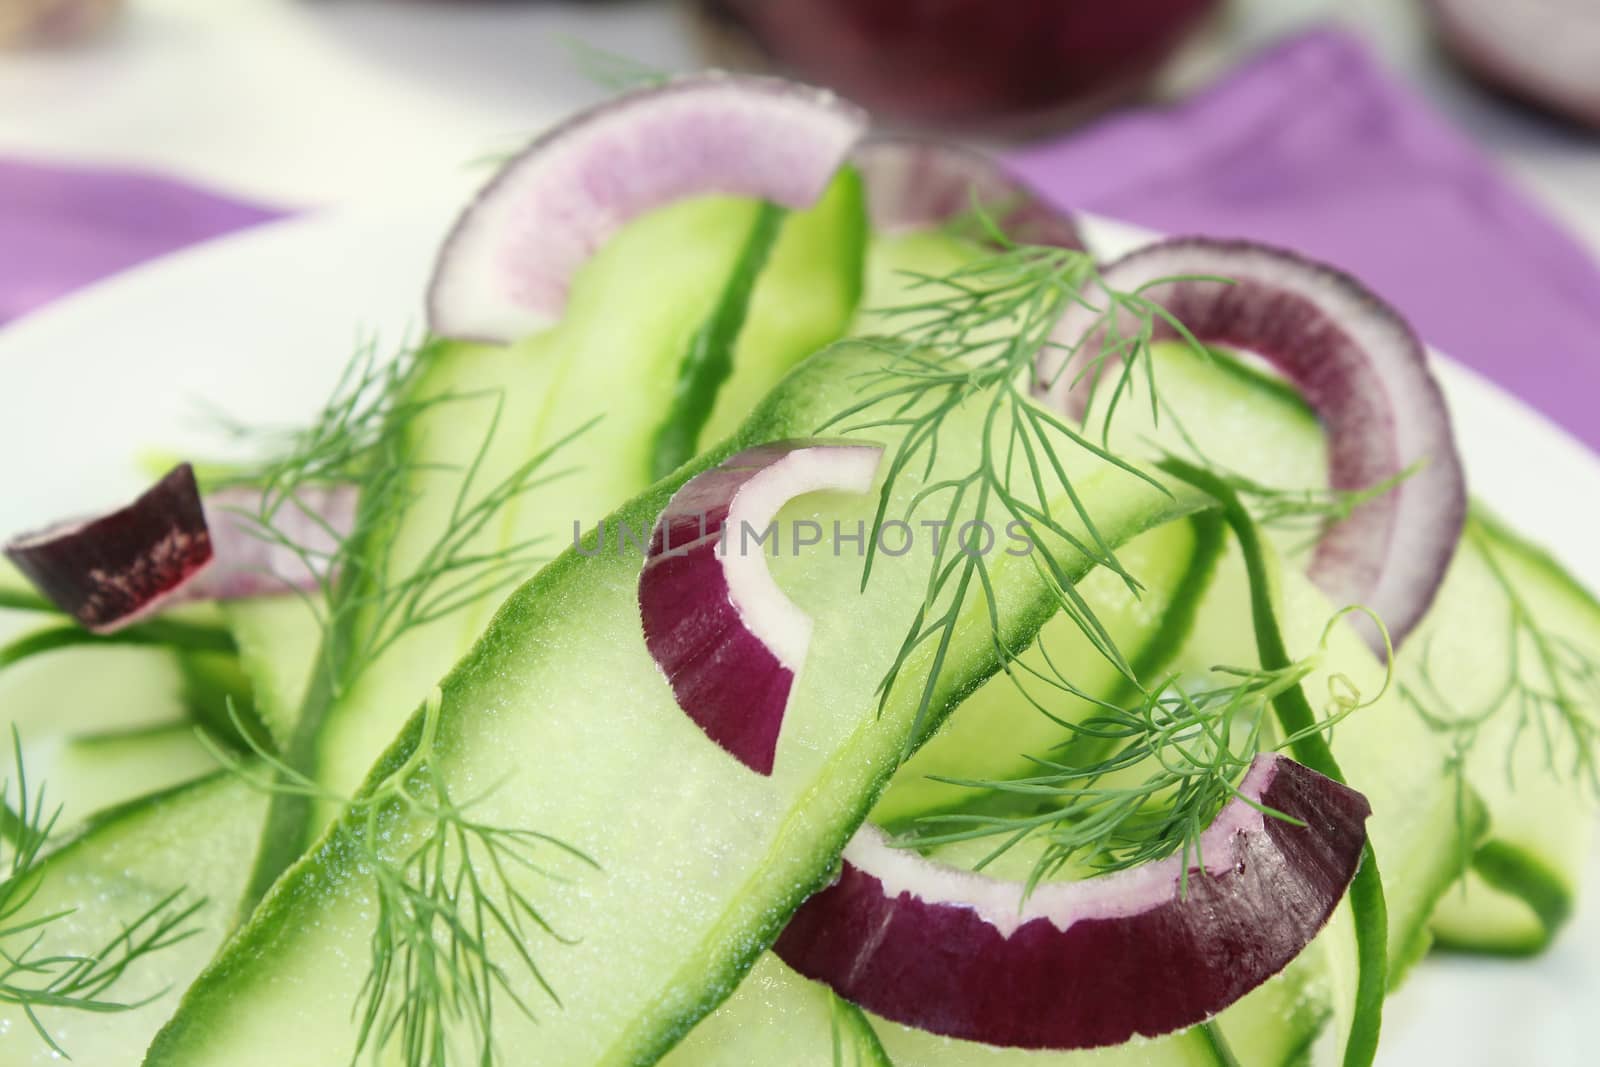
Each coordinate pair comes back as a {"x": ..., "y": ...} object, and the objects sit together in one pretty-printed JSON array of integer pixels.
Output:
[
  {"x": 63, "y": 227},
  {"x": 1314, "y": 147}
]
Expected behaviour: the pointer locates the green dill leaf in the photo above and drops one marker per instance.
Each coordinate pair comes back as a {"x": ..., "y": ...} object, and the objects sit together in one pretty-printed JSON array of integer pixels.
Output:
[
  {"x": 454, "y": 925},
  {"x": 36, "y": 980}
]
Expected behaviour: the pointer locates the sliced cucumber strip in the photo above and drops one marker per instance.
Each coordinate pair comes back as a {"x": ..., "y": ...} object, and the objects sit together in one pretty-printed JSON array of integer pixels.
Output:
[
  {"x": 1244, "y": 420},
  {"x": 1384, "y": 750},
  {"x": 1510, "y": 903},
  {"x": 699, "y": 861},
  {"x": 198, "y": 839},
  {"x": 102, "y": 723},
  {"x": 98, "y": 771},
  {"x": 995, "y": 731},
  {"x": 495, "y": 407},
  {"x": 278, "y": 639},
  {"x": 804, "y": 299},
  {"x": 776, "y": 1016},
  {"x": 1520, "y": 760}
]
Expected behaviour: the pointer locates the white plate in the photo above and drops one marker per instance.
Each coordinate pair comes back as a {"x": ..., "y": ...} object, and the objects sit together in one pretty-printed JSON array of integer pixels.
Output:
[{"x": 259, "y": 324}]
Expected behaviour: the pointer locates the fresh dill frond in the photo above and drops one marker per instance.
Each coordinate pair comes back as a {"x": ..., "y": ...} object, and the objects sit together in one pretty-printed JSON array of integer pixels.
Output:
[
  {"x": 982, "y": 338},
  {"x": 454, "y": 927},
  {"x": 1175, "y": 757},
  {"x": 33, "y": 978},
  {"x": 366, "y": 434},
  {"x": 341, "y": 441}
]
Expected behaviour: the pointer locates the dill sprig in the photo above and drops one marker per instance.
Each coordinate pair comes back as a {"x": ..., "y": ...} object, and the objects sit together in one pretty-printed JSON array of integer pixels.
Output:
[
  {"x": 453, "y": 925},
  {"x": 1176, "y": 757},
  {"x": 343, "y": 439},
  {"x": 1550, "y": 691},
  {"x": 980, "y": 338},
  {"x": 367, "y": 433},
  {"x": 35, "y": 979}
]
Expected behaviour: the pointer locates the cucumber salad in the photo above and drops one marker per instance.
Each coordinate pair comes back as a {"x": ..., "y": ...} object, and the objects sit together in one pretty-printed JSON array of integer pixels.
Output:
[{"x": 798, "y": 605}]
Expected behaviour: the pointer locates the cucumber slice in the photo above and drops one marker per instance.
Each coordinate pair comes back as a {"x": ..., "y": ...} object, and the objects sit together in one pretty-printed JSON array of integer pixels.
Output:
[
  {"x": 804, "y": 299},
  {"x": 278, "y": 639},
  {"x": 894, "y": 265},
  {"x": 1239, "y": 417},
  {"x": 1524, "y": 877},
  {"x": 1510, "y": 902},
  {"x": 1384, "y": 750},
  {"x": 91, "y": 689},
  {"x": 102, "y": 724},
  {"x": 668, "y": 269},
  {"x": 198, "y": 838},
  {"x": 776, "y": 1016},
  {"x": 699, "y": 860},
  {"x": 996, "y": 729},
  {"x": 98, "y": 771},
  {"x": 1304, "y": 1012},
  {"x": 1247, "y": 421},
  {"x": 1284, "y": 1022}
]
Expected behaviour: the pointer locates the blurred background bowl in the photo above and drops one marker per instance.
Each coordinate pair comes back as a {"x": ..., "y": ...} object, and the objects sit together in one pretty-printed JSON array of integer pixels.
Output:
[{"x": 962, "y": 62}]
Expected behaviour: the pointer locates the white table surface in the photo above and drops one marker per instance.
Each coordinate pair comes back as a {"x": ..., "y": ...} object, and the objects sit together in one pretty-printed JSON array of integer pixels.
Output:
[{"x": 306, "y": 102}]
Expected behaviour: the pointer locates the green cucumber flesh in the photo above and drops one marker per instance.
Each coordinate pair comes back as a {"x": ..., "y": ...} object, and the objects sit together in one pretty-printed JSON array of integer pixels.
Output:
[
  {"x": 71, "y": 706},
  {"x": 1511, "y": 902},
  {"x": 669, "y": 270},
  {"x": 1240, "y": 418},
  {"x": 96, "y": 771},
  {"x": 278, "y": 639},
  {"x": 708, "y": 361},
  {"x": 995, "y": 731},
  {"x": 808, "y": 290},
  {"x": 700, "y": 861},
  {"x": 894, "y": 268},
  {"x": 1384, "y": 750},
  {"x": 197, "y": 838},
  {"x": 1247, "y": 421},
  {"x": 1524, "y": 875},
  {"x": 776, "y": 1016},
  {"x": 92, "y": 689}
]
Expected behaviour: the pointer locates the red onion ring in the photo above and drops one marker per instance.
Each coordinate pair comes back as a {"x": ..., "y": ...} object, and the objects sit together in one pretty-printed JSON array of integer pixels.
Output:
[
  {"x": 1091, "y": 963},
  {"x": 726, "y": 637},
  {"x": 505, "y": 269},
  {"x": 1359, "y": 365},
  {"x": 913, "y": 184}
]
